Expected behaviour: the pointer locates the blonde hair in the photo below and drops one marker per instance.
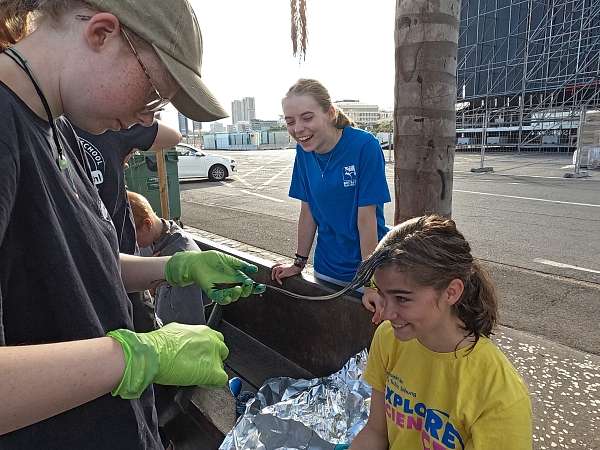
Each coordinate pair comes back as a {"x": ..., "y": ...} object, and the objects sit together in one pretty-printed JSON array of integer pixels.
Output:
[
  {"x": 314, "y": 89},
  {"x": 141, "y": 208}
]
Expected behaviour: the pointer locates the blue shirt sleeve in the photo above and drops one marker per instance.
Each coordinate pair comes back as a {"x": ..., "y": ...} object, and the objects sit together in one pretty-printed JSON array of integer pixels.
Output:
[
  {"x": 372, "y": 184},
  {"x": 298, "y": 184}
]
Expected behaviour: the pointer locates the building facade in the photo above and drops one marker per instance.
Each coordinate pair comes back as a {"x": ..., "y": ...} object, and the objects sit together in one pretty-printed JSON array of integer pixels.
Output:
[
  {"x": 526, "y": 71},
  {"x": 243, "y": 110},
  {"x": 197, "y": 128},
  {"x": 183, "y": 124},
  {"x": 264, "y": 125},
  {"x": 217, "y": 127},
  {"x": 237, "y": 111},
  {"x": 249, "y": 108},
  {"x": 361, "y": 113}
]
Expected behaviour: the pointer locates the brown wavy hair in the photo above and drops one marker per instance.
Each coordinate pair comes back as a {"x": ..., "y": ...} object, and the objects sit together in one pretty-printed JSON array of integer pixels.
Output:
[
  {"x": 314, "y": 89},
  {"x": 433, "y": 252}
]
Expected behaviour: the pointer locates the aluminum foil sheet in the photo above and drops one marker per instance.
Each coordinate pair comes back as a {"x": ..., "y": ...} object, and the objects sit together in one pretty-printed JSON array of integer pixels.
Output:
[{"x": 296, "y": 414}]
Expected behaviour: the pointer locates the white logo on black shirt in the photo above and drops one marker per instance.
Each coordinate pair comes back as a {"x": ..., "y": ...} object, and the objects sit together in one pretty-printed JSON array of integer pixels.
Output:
[{"x": 96, "y": 161}]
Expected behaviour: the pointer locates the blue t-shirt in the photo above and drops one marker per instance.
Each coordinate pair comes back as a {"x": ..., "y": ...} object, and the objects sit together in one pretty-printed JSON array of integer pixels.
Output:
[{"x": 335, "y": 185}]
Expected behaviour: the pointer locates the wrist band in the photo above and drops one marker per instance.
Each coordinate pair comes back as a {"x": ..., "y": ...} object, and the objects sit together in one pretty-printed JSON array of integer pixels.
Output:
[
  {"x": 300, "y": 261},
  {"x": 298, "y": 256}
]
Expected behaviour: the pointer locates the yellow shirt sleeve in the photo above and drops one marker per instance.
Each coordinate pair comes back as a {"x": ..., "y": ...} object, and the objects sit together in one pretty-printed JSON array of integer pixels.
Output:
[
  {"x": 506, "y": 429},
  {"x": 375, "y": 373}
]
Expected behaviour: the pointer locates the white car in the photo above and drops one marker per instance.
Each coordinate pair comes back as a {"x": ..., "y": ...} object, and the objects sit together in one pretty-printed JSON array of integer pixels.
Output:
[{"x": 194, "y": 163}]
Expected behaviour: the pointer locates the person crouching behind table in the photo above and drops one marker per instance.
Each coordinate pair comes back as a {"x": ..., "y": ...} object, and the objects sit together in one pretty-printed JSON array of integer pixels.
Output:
[
  {"x": 160, "y": 237},
  {"x": 438, "y": 381}
]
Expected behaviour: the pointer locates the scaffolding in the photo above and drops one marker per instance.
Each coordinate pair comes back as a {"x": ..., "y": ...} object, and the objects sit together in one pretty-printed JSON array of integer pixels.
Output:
[{"x": 528, "y": 71}]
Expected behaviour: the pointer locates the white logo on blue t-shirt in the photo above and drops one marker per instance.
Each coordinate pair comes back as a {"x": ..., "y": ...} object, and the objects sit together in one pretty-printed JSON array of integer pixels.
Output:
[{"x": 349, "y": 176}]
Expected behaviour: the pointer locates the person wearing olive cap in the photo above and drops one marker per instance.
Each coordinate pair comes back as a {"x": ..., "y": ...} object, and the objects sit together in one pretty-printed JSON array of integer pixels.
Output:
[{"x": 72, "y": 373}]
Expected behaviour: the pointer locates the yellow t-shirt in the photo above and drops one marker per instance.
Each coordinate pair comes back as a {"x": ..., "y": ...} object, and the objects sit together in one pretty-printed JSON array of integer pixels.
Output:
[{"x": 436, "y": 401}]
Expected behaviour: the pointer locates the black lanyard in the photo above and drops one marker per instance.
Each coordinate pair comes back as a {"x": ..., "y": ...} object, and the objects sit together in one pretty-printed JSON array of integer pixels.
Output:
[{"x": 22, "y": 63}]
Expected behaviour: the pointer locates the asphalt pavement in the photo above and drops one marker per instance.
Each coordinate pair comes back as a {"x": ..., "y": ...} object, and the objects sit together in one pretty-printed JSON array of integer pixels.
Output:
[{"x": 524, "y": 214}]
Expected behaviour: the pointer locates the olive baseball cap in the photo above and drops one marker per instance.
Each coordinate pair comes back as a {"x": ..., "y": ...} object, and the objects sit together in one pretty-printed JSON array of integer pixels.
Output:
[{"x": 172, "y": 29}]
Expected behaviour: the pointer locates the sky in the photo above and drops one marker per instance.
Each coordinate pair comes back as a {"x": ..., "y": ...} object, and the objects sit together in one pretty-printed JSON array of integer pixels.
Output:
[{"x": 248, "y": 50}]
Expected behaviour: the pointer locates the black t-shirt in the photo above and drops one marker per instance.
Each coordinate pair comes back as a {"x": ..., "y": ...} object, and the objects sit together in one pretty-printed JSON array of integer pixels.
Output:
[
  {"x": 59, "y": 276},
  {"x": 106, "y": 154}
]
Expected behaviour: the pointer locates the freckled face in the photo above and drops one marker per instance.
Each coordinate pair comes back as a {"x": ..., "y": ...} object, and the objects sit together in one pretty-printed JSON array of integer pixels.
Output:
[{"x": 115, "y": 97}]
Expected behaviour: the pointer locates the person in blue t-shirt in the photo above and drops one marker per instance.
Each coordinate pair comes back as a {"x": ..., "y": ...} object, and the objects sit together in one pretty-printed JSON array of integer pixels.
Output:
[{"x": 339, "y": 176}]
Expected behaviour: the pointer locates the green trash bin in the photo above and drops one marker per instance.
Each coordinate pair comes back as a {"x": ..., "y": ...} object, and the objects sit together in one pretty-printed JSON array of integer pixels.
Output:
[{"x": 142, "y": 177}]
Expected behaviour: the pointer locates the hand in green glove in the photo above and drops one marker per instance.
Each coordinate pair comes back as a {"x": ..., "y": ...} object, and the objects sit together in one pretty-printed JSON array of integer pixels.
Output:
[
  {"x": 207, "y": 268},
  {"x": 177, "y": 354}
]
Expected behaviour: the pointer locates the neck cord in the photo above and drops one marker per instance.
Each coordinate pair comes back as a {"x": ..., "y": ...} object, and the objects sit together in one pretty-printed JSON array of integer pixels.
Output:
[
  {"x": 326, "y": 164},
  {"x": 339, "y": 136},
  {"x": 13, "y": 54}
]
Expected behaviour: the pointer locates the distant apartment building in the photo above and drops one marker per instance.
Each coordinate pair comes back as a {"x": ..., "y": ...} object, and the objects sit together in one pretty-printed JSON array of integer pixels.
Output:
[
  {"x": 249, "y": 108},
  {"x": 183, "y": 124},
  {"x": 197, "y": 127},
  {"x": 237, "y": 111},
  {"x": 361, "y": 113},
  {"x": 217, "y": 127},
  {"x": 243, "y": 110}
]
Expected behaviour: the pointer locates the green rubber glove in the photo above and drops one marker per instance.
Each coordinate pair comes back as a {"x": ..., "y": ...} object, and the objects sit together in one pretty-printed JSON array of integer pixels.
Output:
[
  {"x": 206, "y": 268},
  {"x": 176, "y": 354}
]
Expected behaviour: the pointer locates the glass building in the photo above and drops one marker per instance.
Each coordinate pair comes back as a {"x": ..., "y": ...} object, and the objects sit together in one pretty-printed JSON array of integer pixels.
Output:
[{"x": 526, "y": 71}]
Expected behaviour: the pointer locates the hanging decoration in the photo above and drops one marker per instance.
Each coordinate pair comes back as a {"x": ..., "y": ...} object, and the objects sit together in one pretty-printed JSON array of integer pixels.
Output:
[{"x": 299, "y": 31}]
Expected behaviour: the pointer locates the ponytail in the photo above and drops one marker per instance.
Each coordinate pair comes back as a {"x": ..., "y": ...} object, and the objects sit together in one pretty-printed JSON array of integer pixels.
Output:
[
  {"x": 15, "y": 21},
  {"x": 342, "y": 120},
  {"x": 478, "y": 305}
]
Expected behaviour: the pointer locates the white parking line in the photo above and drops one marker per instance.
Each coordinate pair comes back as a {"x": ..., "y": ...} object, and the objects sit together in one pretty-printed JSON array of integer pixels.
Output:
[
  {"x": 274, "y": 177},
  {"x": 252, "y": 171},
  {"x": 528, "y": 198},
  {"x": 263, "y": 196},
  {"x": 547, "y": 262},
  {"x": 515, "y": 175},
  {"x": 244, "y": 182}
]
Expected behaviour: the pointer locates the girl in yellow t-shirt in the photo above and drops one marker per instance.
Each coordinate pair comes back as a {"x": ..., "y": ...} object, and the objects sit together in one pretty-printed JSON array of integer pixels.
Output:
[{"x": 438, "y": 381}]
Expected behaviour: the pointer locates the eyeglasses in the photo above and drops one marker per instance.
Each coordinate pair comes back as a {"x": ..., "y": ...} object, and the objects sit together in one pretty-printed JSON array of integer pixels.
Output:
[{"x": 157, "y": 102}]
